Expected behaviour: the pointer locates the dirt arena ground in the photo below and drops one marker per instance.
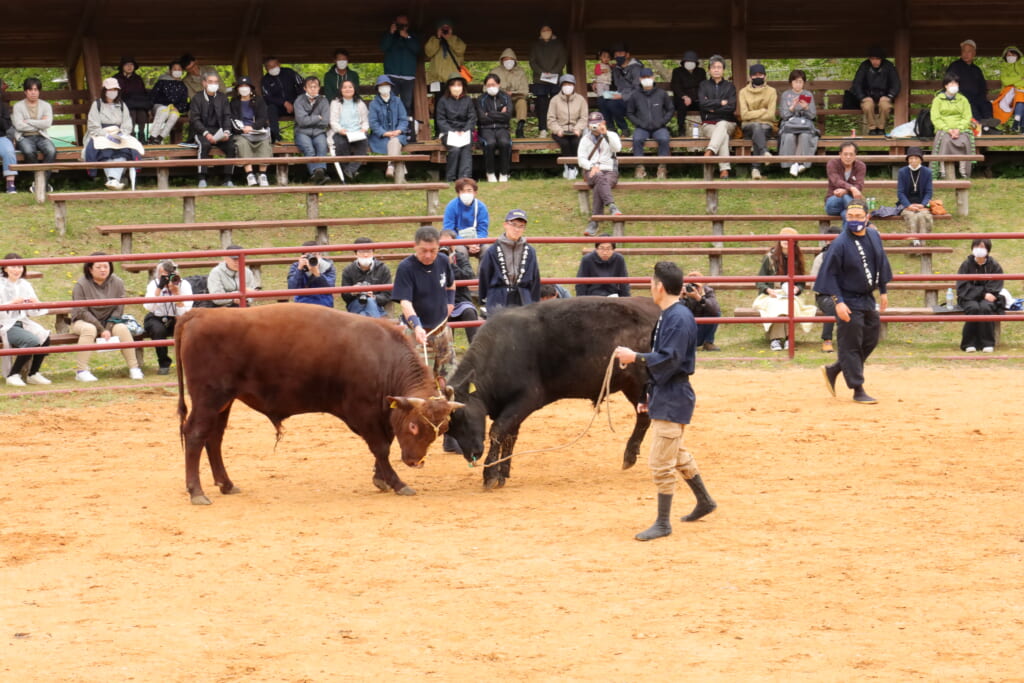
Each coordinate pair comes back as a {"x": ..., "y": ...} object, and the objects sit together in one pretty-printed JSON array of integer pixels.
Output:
[{"x": 851, "y": 543}]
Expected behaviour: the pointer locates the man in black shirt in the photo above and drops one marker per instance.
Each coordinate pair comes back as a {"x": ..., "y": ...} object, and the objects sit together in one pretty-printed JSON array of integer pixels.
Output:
[{"x": 972, "y": 83}]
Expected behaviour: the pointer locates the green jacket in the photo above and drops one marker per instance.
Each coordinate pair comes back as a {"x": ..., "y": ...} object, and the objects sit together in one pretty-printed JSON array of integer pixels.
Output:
[
  {"x": 1012, "y": 74},
  {"x": 949, "y": 114},
  {"x": 333, "y": 81},
  {"x": 442, "y": 63}
]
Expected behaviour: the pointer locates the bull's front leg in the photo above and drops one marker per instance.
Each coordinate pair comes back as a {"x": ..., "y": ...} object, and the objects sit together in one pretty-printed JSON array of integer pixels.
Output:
[
  {"x": 384, "y": 475},
  {"x": 508, "y": 444},
  {"x": 503, "y": 438}
]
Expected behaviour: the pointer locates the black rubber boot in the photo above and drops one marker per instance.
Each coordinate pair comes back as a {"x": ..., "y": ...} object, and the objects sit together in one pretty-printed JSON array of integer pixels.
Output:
[
  {"x": 519, "y": 129},
  {"x": 705, "y": 505},
  {"x": 663, "y": 525},
  {"x": 861, "y": 396}
]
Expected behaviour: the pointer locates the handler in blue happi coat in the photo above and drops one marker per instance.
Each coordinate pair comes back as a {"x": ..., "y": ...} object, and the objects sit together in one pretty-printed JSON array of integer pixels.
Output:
[
  {"x": 670, "y": 398},
  {"x": 855, "y": 266}
]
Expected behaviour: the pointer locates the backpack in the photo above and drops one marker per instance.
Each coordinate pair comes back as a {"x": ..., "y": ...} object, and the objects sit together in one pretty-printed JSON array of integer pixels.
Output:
[
  {"x": 923, "y": 126},
  {"x": 198, "y": 283}
]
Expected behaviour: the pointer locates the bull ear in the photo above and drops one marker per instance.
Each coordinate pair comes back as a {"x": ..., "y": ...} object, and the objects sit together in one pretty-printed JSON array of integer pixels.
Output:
[
  {"x": 407, "y": 402},
  {"x": 449, "y": 393}
]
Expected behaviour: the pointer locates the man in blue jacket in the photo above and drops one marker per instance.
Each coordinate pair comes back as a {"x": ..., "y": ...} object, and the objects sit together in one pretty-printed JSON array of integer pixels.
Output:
[
  {"x": 311, "y": 271},
  {"x": 401, "y": 53}
]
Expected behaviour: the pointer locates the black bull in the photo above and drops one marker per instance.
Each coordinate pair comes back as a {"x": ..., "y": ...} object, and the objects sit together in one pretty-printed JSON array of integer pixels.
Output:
[{"x": 526, "y": 358}]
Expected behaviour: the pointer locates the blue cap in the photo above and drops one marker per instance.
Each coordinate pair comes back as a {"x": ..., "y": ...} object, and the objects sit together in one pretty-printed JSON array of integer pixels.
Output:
[
  {"x": 383, "y": 79},
  {"x": 516, "y": 215},
  {"x": 646, "y": 73}
]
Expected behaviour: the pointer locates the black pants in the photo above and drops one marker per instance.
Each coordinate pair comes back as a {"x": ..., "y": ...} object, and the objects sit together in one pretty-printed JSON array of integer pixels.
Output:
[
  {"x": 542, "y": 93},
  {"x": 497, "y": 141},
  {"x": 460, "y": 163},
  {"x": 344, "y": 148},
  {"x": 160, "y": 328},
  {"x": 466, "y": 316},
  {"x": 226, "y": 146},
  {"x": 980, "y": 334},
  {"x": 569, "y": 144},
  {"x": 828, "y": 307},
  {"x": 274, "y": 114},
  {"x": 857, "y": 339}
]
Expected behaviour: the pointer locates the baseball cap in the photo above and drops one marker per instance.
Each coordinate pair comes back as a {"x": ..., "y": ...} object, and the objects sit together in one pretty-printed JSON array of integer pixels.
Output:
[
  {"x": 595, "y": 117},
  {"x": 111, "y": 84},
  {"x": 516, "y": 215},
  {"x": 969, "y": 42}
]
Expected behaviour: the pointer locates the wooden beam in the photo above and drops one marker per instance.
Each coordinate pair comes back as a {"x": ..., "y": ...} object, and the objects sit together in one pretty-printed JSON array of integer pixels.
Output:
[
  {"x": 901, "y": 57},
  {"x": 577, "y": 40},
  {"x": 739, "y": 42},
  {"x": 93, "y": 69},
  {"x": 248, "y": 31},
  {"x": 85, "y": 24}
]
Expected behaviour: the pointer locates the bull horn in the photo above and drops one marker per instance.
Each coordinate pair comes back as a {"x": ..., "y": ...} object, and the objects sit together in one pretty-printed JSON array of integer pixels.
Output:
[
  {"x": 410, "y": 401},
  {"x": 455, "y": 405}
]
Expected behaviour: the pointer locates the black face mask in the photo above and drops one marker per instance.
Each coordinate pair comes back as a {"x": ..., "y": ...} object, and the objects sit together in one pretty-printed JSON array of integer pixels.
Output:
[
  {"x": 757, "y": 81},
  {"x": 620, "y": 60}
]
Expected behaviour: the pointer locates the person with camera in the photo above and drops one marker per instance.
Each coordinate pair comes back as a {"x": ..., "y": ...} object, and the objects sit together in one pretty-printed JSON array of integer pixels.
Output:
[
  {"x": 162, "y": 316},
  {"x": 445, "y": 52},
  {"x": 596, "y": 156},
  {"x": 311, "y": 271},
  {"x": 701, "y": 301},
  {"x": 401, "y": 53},
  {"x": 223, "y": 279},
  {"x": 366, "y": 270}
]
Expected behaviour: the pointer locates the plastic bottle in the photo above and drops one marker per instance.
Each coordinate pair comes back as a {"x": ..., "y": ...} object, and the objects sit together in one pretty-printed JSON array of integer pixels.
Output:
[
  {"x": 696, "y": 131},
  {"x": 950, "y": 299}
]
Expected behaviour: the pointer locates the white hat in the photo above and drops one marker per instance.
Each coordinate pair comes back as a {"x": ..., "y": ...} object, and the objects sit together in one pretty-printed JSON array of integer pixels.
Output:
[
  {"x": 111, "y": 84},
  {"x": 969, "y": 42}
]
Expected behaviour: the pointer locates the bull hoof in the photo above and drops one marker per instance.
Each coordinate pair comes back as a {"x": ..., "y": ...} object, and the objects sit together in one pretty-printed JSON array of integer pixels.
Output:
[
  {"x": 406, "y": 491},
  {"x": 628, "y": 461},
  {"x": 381, "y": 484},
  {"x": 200, "y": 499},
  {"x": 230, "y": 489},
  {"x": 496, "y": 483}
]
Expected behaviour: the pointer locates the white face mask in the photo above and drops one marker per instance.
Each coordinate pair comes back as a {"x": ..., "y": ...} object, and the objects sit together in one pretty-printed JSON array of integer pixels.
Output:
[
  {"x": 244, "y": 91},
  {"x": 1011, "y": 59},
  {"x": 385, "y": 91},
  {"x": 276, "y": 71},
  {"x": 492, "y": 90},
  {"x": 365, "y": 261},
  {"x": 112, "y": 95},
  {"x": 568, "y": 89},
  {"x": 980, "y": 252},
  {"x": 342, "y": 64},
  {"x": 467, "y": 198},
  {"x": 689, "y": 66},
  {"x": 914, "y": 165},
  {"x": 212, "y": 88},
  {"x": 177, "y": 74},
  {"x": 952, "y": 89},
  {"x": 647, "y": 82},
  {"x": 509, "y": 64}
]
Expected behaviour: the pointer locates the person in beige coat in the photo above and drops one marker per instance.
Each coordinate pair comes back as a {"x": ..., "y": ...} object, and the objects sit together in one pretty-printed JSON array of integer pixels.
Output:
[
  {"x": 567, "y": 120},
  {"x": 759, "y": 107},
  {"x": 516, "y": 84}
]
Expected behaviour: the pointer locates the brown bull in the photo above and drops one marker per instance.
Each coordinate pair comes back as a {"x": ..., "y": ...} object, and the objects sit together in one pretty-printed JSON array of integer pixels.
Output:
[{"x": 287, "y": 359}]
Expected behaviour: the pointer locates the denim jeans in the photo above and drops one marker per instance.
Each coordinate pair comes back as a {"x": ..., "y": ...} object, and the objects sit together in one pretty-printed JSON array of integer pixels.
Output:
[
  {"x": 312, "y": 146},
  {"x": 7, "y": 155},
  {"x": 370, "y": 308},
  {"x": 706, "y": 334},
  {"x": 614, "y": 112},
  {"x": 659, "y": 135},
  {"x": 30, "y": 145},
  {"x": 836, "y": 206}
]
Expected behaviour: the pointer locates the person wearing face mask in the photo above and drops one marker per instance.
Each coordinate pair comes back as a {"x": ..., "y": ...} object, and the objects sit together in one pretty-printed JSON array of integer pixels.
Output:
[
  {"x": 389, "y": 122},
  {"x": 280, "y": 87},
  {"x": 548, "y": 58},
  {"x": 717, "y": 112},
  {"x": 951, "y": 116},
  {"x": 312, "y": 121},
  {"x": 875, "y": 86},
  {"x": 456, "y": 113},
  {"x": 467, "y": 216},
  {"x": 350, "y": 122},
  {"x": 493, "y": 113},
  {"x": 514, "y": 83},
  {"x": 980, "y": 297},
  {"x": 596, "y": 155},
  {"x": 134, "y": 95},
  {"x": 445, "y": 53},
  {"x": 170, "y": 102},
  {"x": 854, "y": 267},
  {"x": 251, "y": 125},
  {"x": 772, "y": 299},
  {"x": 625, "y": 82},
  {"x": 914, "y": 193},
  {"x": 109, "y": 129},
  {"x": 464, "y": 310},
  {"x": 366, "y": 270},
  {"x": 194, "y": 74},
  {"x": 797, "y": 132},
  {"x": 210, "y": 118},
  {"x": 686, "y": 79},
  {"x": 1009, "y": 105},
  {"x": 973, "y": 84},
  {"x": 312, "y": 271},
  {"x": 567, "y": 120},
  {"x": 650, "y": 110},
  {"x": 338, "y": 74},
  {"x": 758, "y": 110},
  {"x": 401, "y": 54}
]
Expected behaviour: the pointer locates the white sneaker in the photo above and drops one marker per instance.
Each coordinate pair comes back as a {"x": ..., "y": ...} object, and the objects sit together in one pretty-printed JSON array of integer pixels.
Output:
[
  {"x": 390, "y": 171},
  {"x": 565, "y": 172},
  {"x": 263, "y": 180},
  {"x": 15, "y": 381},
  {"x": 970, "y": 349},
  {"x": 543, "y": 133},
  {"x": 135, "y": 373},
  {"x": 250, "y": 180},
  {"x": 502, "y": 178},
  {"x": 38, "y": 379},
  {"x": 491, "y": 178},
  {"x": 85, "y": 376},
  {"x": 755, "y": 174},
  {"x": 776, "y": 345},
  {"x": 988, "y": 349},
  {"x": 794, "y": 170},
  {"x": 114, "y": 184},
  {"x": 573, "y": 173}
]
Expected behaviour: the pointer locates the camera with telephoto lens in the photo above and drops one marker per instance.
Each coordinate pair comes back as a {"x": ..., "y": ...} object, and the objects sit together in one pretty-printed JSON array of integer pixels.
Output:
[
  {"x": 311, "y": 259},
  {"x": 166, "y": 279},
  {"x": 690, "y": 288}
]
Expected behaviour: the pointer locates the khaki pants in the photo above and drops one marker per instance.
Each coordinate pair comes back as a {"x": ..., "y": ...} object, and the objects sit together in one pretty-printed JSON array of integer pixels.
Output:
[
  {"x": 872, "y": 119},
  {"x": 521, "y": 107},
  {"x": 719, "y": 134},
  {"x": 87, "y": 335},
  {"x": 918, "y": 221},
  {"x": 668, "y": 456}
]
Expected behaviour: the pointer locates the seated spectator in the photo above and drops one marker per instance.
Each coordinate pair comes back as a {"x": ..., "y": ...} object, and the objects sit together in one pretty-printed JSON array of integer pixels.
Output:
[
  {"x": 109, "y": 127},
  {"x": 701, "y": 301},
  {"x": 350, "y": 122},
  {"x": 456, "y": 119},
  {"x": 980, "y": 297},
  {"x": 493, "y": 113},
  {"x": 18, "y": 330},
  {"x": 32, "y": 118},
  {"x": 312, "y": 271},
  {"x": 914, "y": 192},
  {"x": 509, "y": 272},
  {"x": 312, "y": 120},
  {"x": 281, "y": 86},
  {"x": 134, "y": 95},
  {"x": 773, "y": 297},
  {"x": 1010, "y": 102},
  {"x": 625, "y": 82},
  {"x": 826, "y": 304},
  {"x": 98, "y": 281},
  {"x": 876, "y": 85},
  {"x": 465, "y": 310},
  {"x": 7, "y": 155},
  {"x": 251, "y": 126},
  {"x": 513, "y": 83},
  {"x": 567, "y": 120},
  {"x": 758, "y": 104},
  {"x": 686, "y": 79},
  {"x": 161, "y": 317},
  {"x": 366, "y": 270},
  {"x": 210, "y": 118},
  {"x": 797, "y": 132},
  {"x": 845, "y": 180},
  {"x": 401, "y": 54},
  {"x": 603, "y": 262},
  {"x": 194, "y": 73},
  {"x": 548, "y": 292},
  {"x": 951, "y": 116},
  {"x": 650, "y": 110},
  {"x": 596, "y": 156},
  {"x": 170, "y": 102},
  {"x": 717, "y": 112},
  {"x": 972, "y": 82},
  {"x": 389, "y": 123},
  {"x": 603, "y": 73},
  {"x": 223, "y": 279},
  {"x": 444, "y": 52},
  {"x": 338, "y": 74},
  {"x": 467, "y": 216},
  {"x": 548, "y": 58}
]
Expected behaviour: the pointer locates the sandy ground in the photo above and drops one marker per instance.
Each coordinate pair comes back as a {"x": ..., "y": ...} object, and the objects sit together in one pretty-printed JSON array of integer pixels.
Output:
[{"x": 850, "y": 543}]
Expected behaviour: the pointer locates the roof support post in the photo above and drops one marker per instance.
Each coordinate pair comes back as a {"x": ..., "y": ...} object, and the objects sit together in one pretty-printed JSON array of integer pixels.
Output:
[
  {"x": 901, "y": 56},
  {"x": 739, "y": 41},
  {"x": 578, "y": 45}
]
